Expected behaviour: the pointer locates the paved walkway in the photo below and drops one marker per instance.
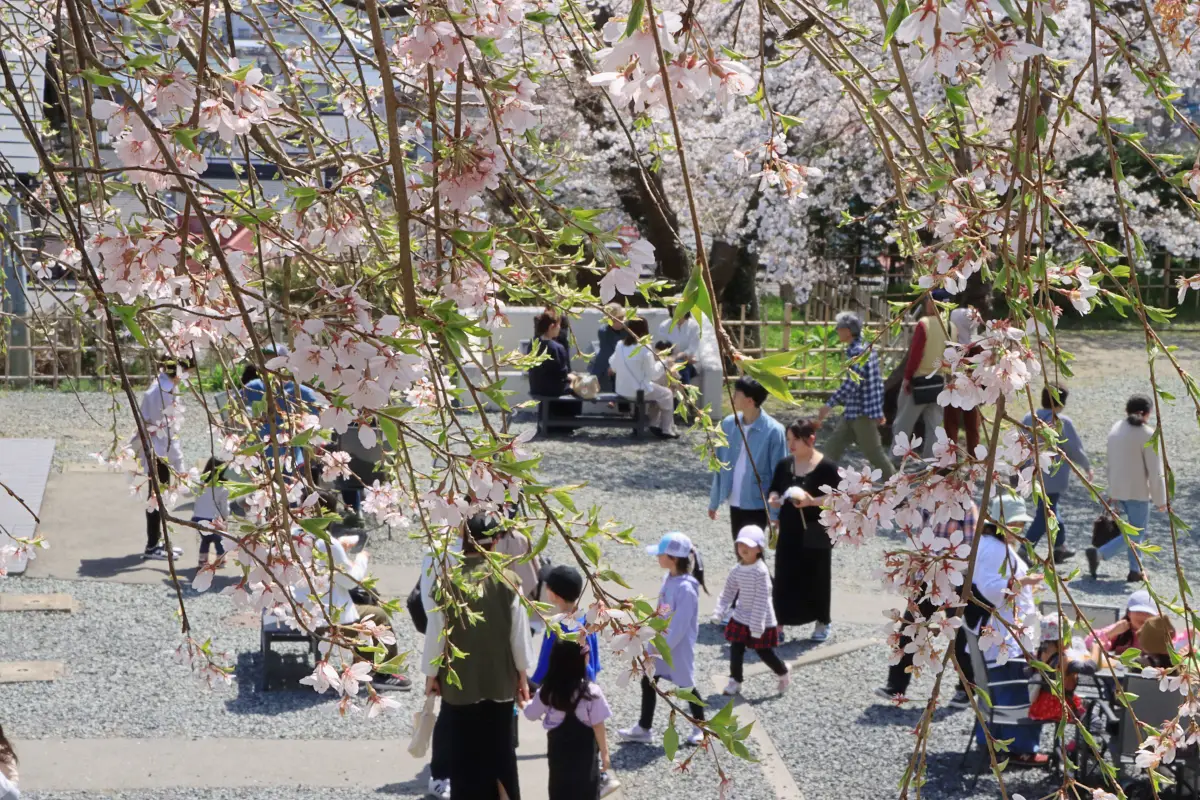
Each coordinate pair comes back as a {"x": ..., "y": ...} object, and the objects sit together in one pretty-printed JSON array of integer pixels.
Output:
[
  {"x": 24, "y": 468},
  {"x": 109, "y": 765}
]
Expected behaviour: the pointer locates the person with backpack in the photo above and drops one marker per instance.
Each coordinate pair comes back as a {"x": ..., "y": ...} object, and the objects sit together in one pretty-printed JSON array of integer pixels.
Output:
[{"x": 491, "y": 630}]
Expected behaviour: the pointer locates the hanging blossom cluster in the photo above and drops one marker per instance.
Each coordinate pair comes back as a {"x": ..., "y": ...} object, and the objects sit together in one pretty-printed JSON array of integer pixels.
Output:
[
  {"x": 963, "y": 35},
  {"x": 630, "y": 68},
  {"x": 775, "y": 171}
]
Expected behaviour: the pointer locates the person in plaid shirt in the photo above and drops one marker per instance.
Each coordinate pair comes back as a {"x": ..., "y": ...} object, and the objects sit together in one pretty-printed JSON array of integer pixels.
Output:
[
  {"x": 898, "y": 674},
  {"x": 861, "y": 395}
]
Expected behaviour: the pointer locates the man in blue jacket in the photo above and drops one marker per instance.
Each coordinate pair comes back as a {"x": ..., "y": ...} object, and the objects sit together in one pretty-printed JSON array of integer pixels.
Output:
[{"x": 748, "y": 458}]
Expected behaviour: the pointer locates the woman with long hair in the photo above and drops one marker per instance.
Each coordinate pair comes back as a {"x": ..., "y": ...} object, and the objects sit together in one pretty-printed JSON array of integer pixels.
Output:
[
  {"x": 803, "y": 556},
  {"x": 573, "y": 711}
]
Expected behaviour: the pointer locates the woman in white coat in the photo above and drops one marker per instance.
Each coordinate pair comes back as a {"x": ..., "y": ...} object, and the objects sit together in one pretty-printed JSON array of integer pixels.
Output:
[{"x": 637, "y": 370}]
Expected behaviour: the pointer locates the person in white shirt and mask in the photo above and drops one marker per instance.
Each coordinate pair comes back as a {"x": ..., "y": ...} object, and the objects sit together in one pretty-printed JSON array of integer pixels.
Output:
[{"x": 162, "y": 415}]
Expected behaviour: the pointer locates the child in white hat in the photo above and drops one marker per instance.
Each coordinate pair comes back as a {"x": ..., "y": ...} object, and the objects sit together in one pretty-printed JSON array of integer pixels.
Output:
[{"x": 753, "y": 623}]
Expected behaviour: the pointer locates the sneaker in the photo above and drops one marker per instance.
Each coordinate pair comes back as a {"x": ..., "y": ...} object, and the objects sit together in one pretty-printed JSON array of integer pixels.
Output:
[
  {"x": 1093, "y": 559},
  {"x": 636, "y": 734},
  {"x": 695, "y": 738},
  {"x": 1061, "y": 554},
  {"x": 398, "y": 682},
  {"x": 960, "y": 699},
  {"x": 821, "y": 632},
  {"x": 732, "y": 688},
  {"x": 889, "y": 694},
  {"x": 1135, "y": 577},
  {"x": 439, "y": 788},
  {"x": 608, "y": 783},
  {"x": 160, "y": 553},
  {"x": 785, "y": 680}
]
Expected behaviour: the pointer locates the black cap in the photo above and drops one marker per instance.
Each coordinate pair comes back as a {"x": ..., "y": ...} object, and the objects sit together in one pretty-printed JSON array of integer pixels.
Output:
[
  {"x": 483, "y": 527},
  {"x": 564, "y": 581}
]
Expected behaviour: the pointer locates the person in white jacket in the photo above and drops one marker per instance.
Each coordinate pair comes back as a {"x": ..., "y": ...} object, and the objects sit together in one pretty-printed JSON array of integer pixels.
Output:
[
  {"x": 1135, "y": 479},
  {"x": 637, "y": 370},
  {"x": 162, "y": 415},
  {"x": 684, "y": 339}
]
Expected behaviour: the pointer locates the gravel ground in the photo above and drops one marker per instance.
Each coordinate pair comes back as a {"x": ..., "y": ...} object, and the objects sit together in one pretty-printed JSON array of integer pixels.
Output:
[{"x": 836, "y": 739}]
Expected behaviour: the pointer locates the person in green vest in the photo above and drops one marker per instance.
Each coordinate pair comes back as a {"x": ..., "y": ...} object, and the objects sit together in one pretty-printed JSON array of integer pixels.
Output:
[
  {"x": 923, "y": 365},
  {"x": 491, "y": 674}
]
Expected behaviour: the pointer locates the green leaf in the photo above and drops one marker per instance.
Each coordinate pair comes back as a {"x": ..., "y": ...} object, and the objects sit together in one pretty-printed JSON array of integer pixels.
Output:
[
  {"x": 635, "y": 18},
  {"x": 240, "y": 75},
  {"x": 142, "y": 61},
  {"x": 671, "y": 741},
  {"x": 487, "y": 46},
  {"x": 689, "y": 696},
  {"x": 390, "y": 432},
  {"x": 591, "y": 550},
  {"x": 788, "y": 121},
  {"x": 96, "y": 78},
  {"x": 187, "y": 138},
  {"x": 1011, "y": 10},
  {"x": 898, "y": 15},
  {"x": 540, "y": 17},
  {"x": 956, "y": 96},
  {"x": 664, "y": 649},
  {"x": 128, "y": 315},
  {"x": 696, "y": 300}
]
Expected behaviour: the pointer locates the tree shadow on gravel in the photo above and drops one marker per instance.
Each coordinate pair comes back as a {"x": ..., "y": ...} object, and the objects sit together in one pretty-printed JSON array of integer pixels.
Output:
[
  {"x": 631, "y": 756},
  {"x": 286, "y": 695},
  {"x": 884, "y": 713},
  {"x": 413, "y": 788},
  {"x": 948, "y": 779}
]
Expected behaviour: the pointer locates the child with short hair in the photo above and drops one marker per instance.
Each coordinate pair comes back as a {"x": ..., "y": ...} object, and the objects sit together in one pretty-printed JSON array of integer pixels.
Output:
[
  {"x": 753, "y": 623},
  {"x": 678, "y": 598},
  {"x": 573, "y": 711},
  {"x": 563, "y": 586},
  {"x": 212, "y": 505}
]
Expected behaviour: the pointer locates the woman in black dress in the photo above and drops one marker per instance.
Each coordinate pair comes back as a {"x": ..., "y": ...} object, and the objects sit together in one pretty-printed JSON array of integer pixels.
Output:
[{"x": 803, "y": 557}]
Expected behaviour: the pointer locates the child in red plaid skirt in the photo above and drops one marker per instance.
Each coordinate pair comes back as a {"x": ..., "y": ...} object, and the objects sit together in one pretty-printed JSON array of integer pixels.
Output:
[{"x": 753, "y": 623}]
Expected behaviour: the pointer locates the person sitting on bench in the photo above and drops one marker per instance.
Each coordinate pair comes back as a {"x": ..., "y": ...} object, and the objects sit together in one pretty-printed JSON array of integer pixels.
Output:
[
  {"x": 638, "y": 369},
  {"x": 551, "y": 378}
]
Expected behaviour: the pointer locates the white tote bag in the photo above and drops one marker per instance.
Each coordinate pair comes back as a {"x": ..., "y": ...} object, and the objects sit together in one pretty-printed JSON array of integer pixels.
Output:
[{"x": 423, "y": 722}]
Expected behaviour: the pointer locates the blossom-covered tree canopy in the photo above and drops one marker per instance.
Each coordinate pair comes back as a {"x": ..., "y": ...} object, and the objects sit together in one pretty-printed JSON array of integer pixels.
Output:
[{"x": 349, "y": 196}]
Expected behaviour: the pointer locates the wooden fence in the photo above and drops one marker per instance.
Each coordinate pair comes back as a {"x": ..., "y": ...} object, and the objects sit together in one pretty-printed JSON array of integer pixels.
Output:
[
  {"x": 55, "y": 350},
  {"x": 808, "y": 329}
]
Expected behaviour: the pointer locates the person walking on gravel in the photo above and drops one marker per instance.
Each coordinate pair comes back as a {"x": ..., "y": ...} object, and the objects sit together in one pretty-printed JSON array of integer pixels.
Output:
[
  {"x": 748, "y": 458},
  {"x": 1135, "y": 478},
  {"x": 1056, "y": 479},
  {"x": 161, "y": 414},
  {"x": 861, "y": 395}
]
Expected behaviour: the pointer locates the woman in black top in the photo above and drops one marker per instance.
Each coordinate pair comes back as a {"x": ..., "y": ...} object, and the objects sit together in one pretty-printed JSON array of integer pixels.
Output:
[
  {"x": 803, "y": 557},
  {"x": 550, "y": 378}
]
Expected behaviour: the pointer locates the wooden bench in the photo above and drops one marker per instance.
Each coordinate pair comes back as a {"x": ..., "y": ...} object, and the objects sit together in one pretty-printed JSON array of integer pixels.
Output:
[{"x": 636, "y": 418}]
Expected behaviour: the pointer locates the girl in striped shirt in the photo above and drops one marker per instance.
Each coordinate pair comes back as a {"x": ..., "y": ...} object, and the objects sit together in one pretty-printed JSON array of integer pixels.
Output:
[{"x": 753, "y": 623}]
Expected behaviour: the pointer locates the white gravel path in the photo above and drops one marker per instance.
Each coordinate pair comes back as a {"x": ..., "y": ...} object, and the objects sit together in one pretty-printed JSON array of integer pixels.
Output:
[{"x": 835, "y": 738}]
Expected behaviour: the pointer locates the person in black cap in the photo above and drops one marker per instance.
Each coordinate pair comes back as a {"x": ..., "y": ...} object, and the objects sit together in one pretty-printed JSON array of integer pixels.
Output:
[{"x": 562, "y": 586}]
